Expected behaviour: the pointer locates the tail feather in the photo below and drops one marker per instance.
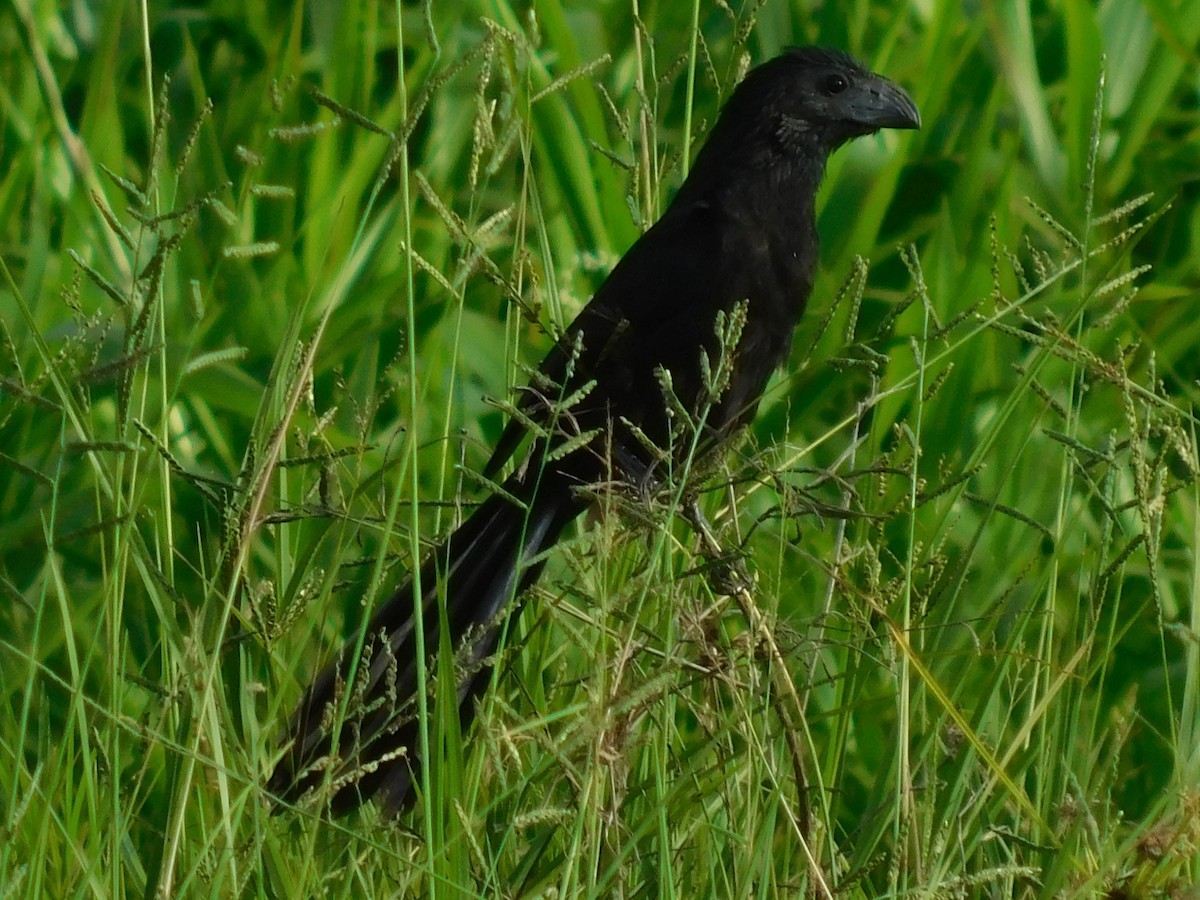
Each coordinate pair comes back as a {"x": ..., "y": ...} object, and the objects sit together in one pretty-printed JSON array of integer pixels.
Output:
[{"x": 478, "y": 570}]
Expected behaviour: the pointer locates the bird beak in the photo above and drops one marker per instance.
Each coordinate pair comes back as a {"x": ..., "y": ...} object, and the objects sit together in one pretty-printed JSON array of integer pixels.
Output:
[{"x": 881, "y": 104}]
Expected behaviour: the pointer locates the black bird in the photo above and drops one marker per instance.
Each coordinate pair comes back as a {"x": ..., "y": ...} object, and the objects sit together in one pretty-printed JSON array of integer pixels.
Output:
[{"x": 740, "y": 232}]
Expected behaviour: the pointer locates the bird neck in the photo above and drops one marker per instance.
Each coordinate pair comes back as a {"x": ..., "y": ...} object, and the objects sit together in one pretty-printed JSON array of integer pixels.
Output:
[
  {"x": 780, "y": 209},
  {"x": 785, "y": 199},
  {"x": 760, "y": 180},
  {"x": 767, "y": 192}
]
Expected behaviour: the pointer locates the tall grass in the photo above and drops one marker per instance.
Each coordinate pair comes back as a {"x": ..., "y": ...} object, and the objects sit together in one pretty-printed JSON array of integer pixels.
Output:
[{"x": 262, "y": 277}]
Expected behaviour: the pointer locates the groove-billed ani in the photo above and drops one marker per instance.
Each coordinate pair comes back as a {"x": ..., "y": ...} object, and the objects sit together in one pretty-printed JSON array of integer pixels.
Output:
[{"x": 741, "y": 230}]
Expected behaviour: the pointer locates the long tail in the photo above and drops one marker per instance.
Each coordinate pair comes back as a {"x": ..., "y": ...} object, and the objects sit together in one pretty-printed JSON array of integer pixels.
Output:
[{"x": 479, "y": 568}]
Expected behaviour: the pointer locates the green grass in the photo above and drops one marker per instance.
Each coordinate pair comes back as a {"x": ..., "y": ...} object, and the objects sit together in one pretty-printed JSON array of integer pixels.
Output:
[{"x": 245, "y": 352}]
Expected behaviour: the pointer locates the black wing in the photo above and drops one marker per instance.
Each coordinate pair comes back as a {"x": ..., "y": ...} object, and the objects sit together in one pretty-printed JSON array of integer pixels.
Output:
[{"x": 656, "y": 309}]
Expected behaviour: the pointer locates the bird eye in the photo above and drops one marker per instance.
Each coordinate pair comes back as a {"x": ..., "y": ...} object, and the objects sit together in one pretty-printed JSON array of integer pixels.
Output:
[{"x": 835, "y": 84}]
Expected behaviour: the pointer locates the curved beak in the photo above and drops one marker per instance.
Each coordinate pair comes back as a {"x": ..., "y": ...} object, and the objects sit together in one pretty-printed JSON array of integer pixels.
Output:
[{"x": 879, "y": 103}]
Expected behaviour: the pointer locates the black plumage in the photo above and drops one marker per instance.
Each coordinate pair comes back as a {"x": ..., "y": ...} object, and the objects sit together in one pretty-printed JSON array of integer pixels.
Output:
[{"x": 740, "y": 230}]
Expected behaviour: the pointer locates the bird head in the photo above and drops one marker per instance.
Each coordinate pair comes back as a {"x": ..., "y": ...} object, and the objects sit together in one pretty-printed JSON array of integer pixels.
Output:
[
  {"x": 787, "y": 115},
  {"x": 814, "y": 94}
]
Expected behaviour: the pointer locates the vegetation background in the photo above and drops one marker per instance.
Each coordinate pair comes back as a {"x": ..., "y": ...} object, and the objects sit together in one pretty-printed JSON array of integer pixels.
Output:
[{"x": 262, "y": 264}]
